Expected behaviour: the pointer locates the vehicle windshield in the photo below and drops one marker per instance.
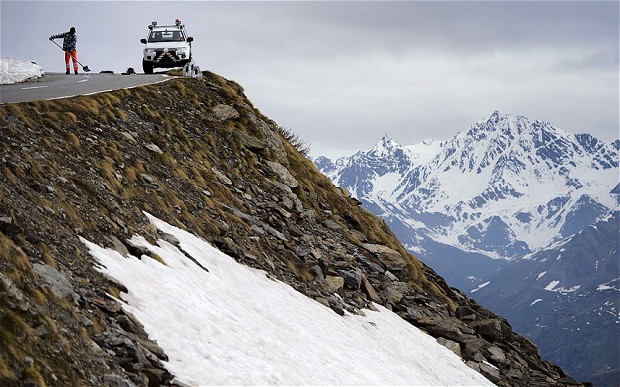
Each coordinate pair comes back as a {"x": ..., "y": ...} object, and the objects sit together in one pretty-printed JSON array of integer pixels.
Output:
[{"x": 166, "y": 36}]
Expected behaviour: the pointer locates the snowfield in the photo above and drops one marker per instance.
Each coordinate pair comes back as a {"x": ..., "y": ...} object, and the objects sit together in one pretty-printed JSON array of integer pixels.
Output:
[
  {"x": 13, "y": 71},
  {"x": 221, "y": 322}
]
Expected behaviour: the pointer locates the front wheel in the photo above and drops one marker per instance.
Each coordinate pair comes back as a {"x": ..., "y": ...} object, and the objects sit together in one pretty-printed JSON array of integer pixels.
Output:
[{"x": 147, "y": 67}]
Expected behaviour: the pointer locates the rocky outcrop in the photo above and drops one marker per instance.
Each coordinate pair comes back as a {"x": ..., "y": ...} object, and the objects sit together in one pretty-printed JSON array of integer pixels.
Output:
[{"x": 226, "y": 176}]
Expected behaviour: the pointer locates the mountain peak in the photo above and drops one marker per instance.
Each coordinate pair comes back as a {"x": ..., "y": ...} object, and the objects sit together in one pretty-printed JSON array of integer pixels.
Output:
[
  {"x": 506, "y": 122},
  {"x": 385, "y": 146},
  {"x": 386, "y": 139},
  {"x": 496, "y": 115}
]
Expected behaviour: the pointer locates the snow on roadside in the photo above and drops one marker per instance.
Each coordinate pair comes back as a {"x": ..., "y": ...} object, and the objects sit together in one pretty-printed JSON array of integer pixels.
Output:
[
  {"x": 234, "y": 325},
  {"x": 14, "y": 71}
]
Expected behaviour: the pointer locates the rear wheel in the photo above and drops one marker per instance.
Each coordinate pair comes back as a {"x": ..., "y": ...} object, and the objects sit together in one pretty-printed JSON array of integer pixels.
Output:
[{"x": 147, "y": 67}]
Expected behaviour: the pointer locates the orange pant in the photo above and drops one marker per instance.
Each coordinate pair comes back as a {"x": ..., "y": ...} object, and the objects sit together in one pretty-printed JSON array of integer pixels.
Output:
[{"x": 73, "y": 55}]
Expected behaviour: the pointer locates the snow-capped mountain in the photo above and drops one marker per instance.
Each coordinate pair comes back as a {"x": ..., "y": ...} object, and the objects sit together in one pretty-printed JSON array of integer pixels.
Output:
[
  {"x": 567, "y": 293},
  {"x": 504, "y": 188},
  {"x": 520, "y": 214}
]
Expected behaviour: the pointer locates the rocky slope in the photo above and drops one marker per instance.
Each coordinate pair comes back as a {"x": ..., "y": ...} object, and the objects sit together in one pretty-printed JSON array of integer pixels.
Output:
[{"x": 197, "y": 154}]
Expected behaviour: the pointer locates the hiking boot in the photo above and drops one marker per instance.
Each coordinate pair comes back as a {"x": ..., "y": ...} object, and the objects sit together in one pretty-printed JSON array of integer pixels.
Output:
[
  {"x": 68, "y": 72},
  {"x": 76, "y": 72}
]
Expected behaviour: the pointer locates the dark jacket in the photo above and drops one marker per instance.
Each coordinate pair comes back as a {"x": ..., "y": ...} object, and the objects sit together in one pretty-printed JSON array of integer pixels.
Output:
[{"x": 69, "y": 42}]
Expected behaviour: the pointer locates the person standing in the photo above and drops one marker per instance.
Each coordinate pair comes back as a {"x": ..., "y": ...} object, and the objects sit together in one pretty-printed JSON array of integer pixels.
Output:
[{"x": 69, "y": 46}]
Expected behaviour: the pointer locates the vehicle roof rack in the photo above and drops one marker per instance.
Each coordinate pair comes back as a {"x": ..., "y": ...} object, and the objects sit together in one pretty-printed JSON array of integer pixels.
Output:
[{"x": 177, "y": 24}]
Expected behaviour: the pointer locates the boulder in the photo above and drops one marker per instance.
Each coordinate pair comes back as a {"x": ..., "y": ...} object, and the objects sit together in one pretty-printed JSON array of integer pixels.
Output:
[
  {"x": 465, "y": 313},
  {"x": 274, "y": 144},
  {"x": 446, "y": 330},
  {"x": 154, "y": 148},
  {"x": 283, "y": 174},
  {"x": 490, "y": 372},
  {"x": 451, "y": 345},
  {"x": 252, "y": 143},
  {"x": 225, "y": 112},
  {"x": 57, "y": 282},
  {"x": 334, "y": 282},
  {"x": 391, "y": 258},
  {"x": 391, "y": 295},
  {"x": 496, "y": 355},
  {"x": 146, "y": 178},
  {"x": 332, "y": 225},
  {"x": 271, "y": 139},
  {"x": 489, "y": 329},
  {"x": 367, "y": 288},
  {"x": 156, "y": 376},
  {"x": 360, "y": 236},
  {"x": 352, "y": 279},
  {"x": 112, "y": 380},
  {"x": 221, "y": 177},
  {"x": 471, "y": 347},
  {"x": 336, "y": 305}
]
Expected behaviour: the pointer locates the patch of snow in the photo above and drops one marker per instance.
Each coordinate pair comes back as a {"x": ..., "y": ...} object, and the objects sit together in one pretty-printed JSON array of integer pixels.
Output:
[
  {"x": 536, "y": 301},
  {"x": 540, "y": 275},
  {"x": 552, "y": 285},
  {"x": 425, "y": 151},
  {"x": 552, "y": 288},
  {"x": 567, "y": 290},
  {"x": 480, "y": 287},
  {"x": 234, "y": 325},
  {"x": 14, "y": 71},
  {"x": 384, "y": 185},
  {"x": 603, "y": 287}
]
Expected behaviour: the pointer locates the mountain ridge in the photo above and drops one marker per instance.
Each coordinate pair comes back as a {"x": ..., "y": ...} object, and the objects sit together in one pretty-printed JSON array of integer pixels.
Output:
[{"x": 507, "y": 159}]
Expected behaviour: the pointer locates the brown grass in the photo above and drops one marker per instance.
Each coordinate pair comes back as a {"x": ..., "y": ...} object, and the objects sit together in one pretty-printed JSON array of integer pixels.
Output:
[
  {"x": 33, "y": 376},
  {"x": 73, "y": 139},
  {"x": 6, "y": 373},
  {"x": 17, "y": 112},
  {"x": 69, "y": 117},
  {"x": 46, "y": 255},
  {"x": 6, "y": 172},
  {"x": 107, "y": 169},
  {"x": 9, "y": 252},
  {"x": 157, "y": 258}
]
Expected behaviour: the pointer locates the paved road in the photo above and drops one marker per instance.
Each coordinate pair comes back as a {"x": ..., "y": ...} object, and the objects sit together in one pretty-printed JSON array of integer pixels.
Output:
[{"x": 53, "y": 85}]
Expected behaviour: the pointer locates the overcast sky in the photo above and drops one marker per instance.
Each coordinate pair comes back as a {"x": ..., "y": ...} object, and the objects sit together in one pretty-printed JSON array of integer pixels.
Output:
[{"x": 343, "y": 74}]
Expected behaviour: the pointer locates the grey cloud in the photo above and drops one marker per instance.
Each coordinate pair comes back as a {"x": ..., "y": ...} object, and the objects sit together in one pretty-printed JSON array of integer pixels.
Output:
[{"x": 342, "y": 74}]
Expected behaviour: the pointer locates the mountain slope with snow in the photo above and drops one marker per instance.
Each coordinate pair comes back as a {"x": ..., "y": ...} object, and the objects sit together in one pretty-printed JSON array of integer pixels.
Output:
[
  {"x": 568, "y": 293},
  {"x": 263, "y": 331},
  {"x": 508, "y": 188}
]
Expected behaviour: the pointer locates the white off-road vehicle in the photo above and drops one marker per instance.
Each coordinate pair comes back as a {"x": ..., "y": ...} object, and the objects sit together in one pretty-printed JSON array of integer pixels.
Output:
[{"x": 166, "y": 47}]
